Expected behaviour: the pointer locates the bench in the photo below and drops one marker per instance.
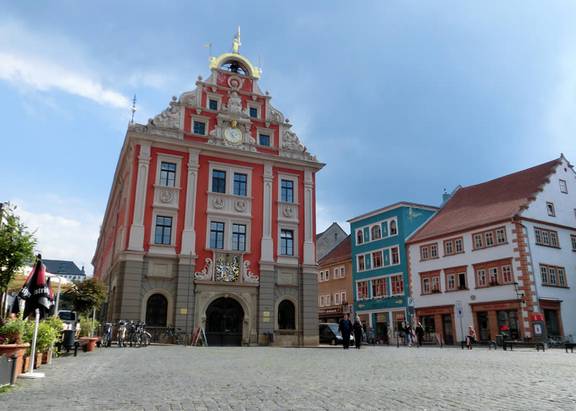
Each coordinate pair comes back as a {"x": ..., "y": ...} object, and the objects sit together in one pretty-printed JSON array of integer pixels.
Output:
[
  {"x": 491, "y": 344},
  {"x": 512, "y": 344},
  {"x": 77, "y": 344},
  {"x": 569, "y": 345}
]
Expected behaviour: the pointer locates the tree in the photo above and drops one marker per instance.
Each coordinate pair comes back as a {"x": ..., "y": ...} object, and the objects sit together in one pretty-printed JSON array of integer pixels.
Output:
[
  {"x": 16, "y": 245},
  {"x": 87, "y": 295}
]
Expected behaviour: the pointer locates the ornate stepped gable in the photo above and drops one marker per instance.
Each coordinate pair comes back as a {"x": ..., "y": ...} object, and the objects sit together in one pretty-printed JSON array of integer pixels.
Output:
[{"x": 169, "y": 123}]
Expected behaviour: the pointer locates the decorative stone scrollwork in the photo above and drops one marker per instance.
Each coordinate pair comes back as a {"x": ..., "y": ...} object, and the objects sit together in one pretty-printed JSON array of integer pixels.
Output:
[
  {"x": 276, "y": 116},
  {"x": 207, "y": 272},
  {"x": 218, "y": 203},
  {"x": 290, "y": 141},
  {"x": 166, "y": 196},
  {"x": 169, "y": 118},
  {"x": 247, "y": 275},
  {"x": 234, "y": 103},
  {"x": 288, "y": 211},
  {"x": 240, "y": 206},
  {"x": 235, "y": 82}
]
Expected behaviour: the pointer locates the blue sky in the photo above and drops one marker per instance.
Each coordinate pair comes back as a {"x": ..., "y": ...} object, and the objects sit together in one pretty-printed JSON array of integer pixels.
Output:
[{"x": 401, "y": 99}]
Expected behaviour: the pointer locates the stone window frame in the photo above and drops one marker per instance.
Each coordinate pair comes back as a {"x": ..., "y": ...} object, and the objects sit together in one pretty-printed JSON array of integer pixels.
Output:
[
  {"x": 228, "y": 221},
  {"x": 546, "y": 237},
  {"x": 479, "y": 241},
  {"x": 295, "y": 239},
  {"x": 164, "y": 212},
  {"x": 267, "y": 131},
  {"x": 213, "y": 96},
  {"x": 168, "y": 158},
  {"x": 392, "y": 276},
  {"x": 258, "y": 106},
  {"x": 294, "y": 179},
  {"x": 230, "y": 170},
  {"x": 203, "y": 119},
  {"x": 430, "y": 275},
  {"x": 426, "y": 251},
  {"x": 550, "y": 209},
  {"x": 486, "y": 267},
  {"x": 558, "y": 276},
  {"x": 453, "y": 241},
  {"x": 563, "y": 186},
  {"x": 456, "y": 272}
]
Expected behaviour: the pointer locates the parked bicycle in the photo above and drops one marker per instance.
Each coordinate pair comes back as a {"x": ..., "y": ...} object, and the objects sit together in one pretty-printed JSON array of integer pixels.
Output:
[
  {"x": 175, "y": 335},
  {"x": 137, "y": 335},
  {"x": 107, "y": 335},
  {"x": 121, "y": 334}
]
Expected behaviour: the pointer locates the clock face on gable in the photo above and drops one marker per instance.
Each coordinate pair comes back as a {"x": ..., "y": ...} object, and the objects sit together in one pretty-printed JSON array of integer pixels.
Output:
[{"x": 233, "y": 135}]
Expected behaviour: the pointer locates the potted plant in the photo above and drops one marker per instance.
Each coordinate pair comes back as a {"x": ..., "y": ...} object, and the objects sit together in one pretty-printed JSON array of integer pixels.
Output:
[
  {"x": 86, "y": 297},
  {"x": 57, "y": 325},
  {"x": 12, "y": 341},
  {"x": 87, "y": 327},
  {"x": 45, "y": 339}
]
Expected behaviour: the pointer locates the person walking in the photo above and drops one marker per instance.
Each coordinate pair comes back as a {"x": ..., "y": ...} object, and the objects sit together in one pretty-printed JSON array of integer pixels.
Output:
[
  {"x": 358, "y": 331},
  {"x": 345, "y": 328},
  {"x": 419, "y": 334},
  {"x": 471, "y": 337},
  {"x": 408, "y": 333}
]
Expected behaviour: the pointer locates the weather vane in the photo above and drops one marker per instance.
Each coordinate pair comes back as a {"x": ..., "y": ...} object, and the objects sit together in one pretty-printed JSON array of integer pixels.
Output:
[
  {"x": 133, "y": 109},
  {"x": 236, "y": 42}
]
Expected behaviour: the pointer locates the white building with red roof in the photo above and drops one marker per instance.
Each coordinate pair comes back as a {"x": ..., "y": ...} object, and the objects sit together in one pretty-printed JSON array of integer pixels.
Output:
[{"x": 498, "y": 256}]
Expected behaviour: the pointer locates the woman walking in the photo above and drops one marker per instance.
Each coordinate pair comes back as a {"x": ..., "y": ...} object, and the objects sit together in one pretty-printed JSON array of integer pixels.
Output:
[{"x": 471, "y": 337}]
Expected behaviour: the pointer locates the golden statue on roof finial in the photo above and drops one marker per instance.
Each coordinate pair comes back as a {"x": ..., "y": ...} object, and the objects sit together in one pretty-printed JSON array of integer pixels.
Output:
[{"x": 236, "y": 42}]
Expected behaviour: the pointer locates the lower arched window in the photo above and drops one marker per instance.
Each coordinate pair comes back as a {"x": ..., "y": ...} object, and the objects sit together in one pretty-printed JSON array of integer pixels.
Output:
[
  {"x": 286, "y": 315},
  {"x": 156, "y": 310}
]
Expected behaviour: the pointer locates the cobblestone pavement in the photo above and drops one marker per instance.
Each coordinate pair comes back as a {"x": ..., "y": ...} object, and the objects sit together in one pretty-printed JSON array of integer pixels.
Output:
[{"x": 183, "y": 378}]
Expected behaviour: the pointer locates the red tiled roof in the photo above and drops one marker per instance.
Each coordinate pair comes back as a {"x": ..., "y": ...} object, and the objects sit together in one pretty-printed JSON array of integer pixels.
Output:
[
  {"x": 343, "y": 251},
  {"x": 487, "y": 203}
]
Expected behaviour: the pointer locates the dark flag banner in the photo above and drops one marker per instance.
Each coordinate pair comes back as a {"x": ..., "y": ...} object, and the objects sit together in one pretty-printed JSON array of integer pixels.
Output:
[{"x": 36, "y": 292}]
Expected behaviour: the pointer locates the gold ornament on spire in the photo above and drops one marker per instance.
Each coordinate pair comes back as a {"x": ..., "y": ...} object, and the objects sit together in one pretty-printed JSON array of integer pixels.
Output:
[{"x": 236, "y": 42}]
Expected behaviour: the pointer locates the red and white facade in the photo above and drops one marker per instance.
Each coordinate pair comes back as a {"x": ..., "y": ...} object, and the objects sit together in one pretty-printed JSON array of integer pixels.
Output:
[
  {"x": 212, "y": 200},
  {"x": 500, "y": 255}
]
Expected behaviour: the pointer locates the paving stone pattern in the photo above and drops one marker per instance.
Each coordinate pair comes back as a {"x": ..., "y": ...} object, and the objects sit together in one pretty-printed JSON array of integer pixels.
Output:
[{"x": 184, "y": 378}]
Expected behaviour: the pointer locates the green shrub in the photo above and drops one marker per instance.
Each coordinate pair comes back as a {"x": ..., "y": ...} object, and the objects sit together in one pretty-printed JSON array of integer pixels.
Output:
[
  {"x": 46, "y": 337},
  {"x": 12, "y": 332},
  {"x": 86, "y": 329}
]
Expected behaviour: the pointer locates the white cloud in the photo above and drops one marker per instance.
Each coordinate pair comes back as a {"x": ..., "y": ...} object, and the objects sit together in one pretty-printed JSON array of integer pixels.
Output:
[
  {"x": 64, "y": 228},
  {"x": 47, "y": 61},
  {"x": 45, "y": 75}
]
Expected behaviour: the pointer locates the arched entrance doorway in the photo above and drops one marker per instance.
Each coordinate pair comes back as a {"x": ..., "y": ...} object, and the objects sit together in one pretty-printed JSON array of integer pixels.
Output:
[{"x": 224, "y": 318}]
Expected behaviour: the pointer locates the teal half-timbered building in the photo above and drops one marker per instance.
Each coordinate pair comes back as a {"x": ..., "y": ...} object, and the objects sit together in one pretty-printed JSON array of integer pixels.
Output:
[{"x": 379, "y": 265}]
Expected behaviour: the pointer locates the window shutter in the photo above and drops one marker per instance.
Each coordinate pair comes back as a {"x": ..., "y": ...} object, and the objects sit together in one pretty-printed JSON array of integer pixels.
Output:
[
  {"x": 366, "y": 234},
  {"x": 368, "y": 261},
  {"x": 385, "y": 229},
  {"x": 386, "y": 257}
]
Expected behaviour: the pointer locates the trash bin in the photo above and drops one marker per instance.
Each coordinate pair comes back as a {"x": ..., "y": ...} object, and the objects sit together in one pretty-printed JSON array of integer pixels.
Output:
[
  {"x": 68, "y": 339},
  {"x": 499, "y": 340}
]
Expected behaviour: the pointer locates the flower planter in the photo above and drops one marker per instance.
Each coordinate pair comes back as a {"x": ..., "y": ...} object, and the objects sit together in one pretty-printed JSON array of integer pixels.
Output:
[
  {"x": 38, "y": 360},
  {"x": 26, "y": 364},
  {"x": 91, "y": 343},
  {"x": 15, "y": 349},
  {"x": 46, "y": 357}
]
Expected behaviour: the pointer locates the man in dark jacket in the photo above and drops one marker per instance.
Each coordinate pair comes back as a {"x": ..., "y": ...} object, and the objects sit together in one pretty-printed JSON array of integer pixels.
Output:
[{"x": 345, "y": 328}]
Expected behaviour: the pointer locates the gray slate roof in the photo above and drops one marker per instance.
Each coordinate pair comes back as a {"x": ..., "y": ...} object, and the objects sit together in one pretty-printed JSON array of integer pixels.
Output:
[{"x": 62, "y": 267}]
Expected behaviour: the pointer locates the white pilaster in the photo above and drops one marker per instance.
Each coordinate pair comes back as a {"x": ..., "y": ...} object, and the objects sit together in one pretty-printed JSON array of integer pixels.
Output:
[
  {"x": 309, "y": 251},
  {"x": 136, "y": 242},
  {"x": 267, "y": 243},
  {"x": 189, "y": 233}
]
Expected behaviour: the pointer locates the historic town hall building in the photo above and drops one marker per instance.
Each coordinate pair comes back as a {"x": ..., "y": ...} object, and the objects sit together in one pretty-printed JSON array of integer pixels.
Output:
[{"x": 211, "y": 217}]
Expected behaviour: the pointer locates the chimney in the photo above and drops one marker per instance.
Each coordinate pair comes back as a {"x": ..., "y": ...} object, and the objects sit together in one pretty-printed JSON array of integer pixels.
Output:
[{"x": 82, "y": 270}]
